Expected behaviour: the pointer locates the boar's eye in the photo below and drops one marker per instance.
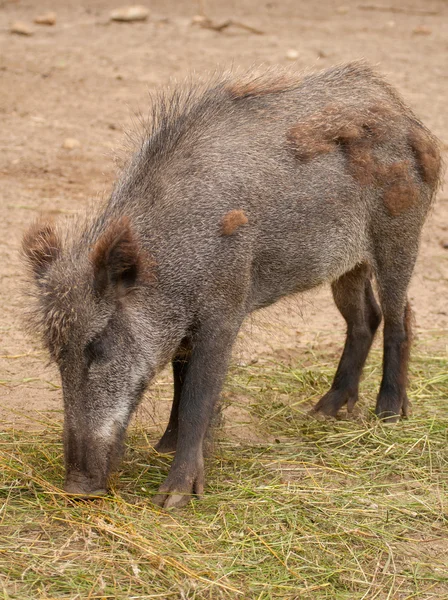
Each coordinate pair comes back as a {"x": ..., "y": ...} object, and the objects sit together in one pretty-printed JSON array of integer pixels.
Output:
[
  {"x": 103, "y": 346},
  {"x": 94, "y": 351},
  {"x": 99, "y": 349}
]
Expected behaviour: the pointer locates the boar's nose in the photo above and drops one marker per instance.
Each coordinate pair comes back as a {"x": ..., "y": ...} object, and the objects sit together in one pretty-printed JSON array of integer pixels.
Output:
[{"x": 78, "y": 484}]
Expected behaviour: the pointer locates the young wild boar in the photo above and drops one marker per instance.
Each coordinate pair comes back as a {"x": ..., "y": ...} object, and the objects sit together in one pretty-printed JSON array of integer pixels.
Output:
[{"x": 242, "y": 192}]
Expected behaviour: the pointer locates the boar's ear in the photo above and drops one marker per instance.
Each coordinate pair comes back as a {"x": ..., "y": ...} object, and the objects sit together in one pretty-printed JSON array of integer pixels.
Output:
[
  {"x": 41, "y": 246},
  {"x": 116, "y": 259}
]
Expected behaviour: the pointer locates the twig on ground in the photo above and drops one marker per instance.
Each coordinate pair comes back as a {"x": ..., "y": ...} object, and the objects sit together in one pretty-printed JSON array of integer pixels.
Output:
[
  {"x": 398, "y": 9},
  {"x": 208, "y": 23}
]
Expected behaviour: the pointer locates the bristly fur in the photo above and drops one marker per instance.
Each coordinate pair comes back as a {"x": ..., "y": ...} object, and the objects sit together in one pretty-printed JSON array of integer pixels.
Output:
[
  {"x": 334, "y": 177},
  {"x": 252, "y": 86},
  {"x": 179, "y": 118},
  {"x": 427, "y": 153},
  {"x": 41, "y": 245},
  {"x": 186, "y": 107},
  {"x": 85, "y": 244}
]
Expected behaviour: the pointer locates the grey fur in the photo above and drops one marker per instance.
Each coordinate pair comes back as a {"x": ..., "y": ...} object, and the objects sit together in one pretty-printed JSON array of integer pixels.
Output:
[{"x": 208, "y": 151}]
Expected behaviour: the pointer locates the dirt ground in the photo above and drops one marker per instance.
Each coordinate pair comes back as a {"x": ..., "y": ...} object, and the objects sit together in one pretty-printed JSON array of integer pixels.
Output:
[{"x": 86, "y": 77}]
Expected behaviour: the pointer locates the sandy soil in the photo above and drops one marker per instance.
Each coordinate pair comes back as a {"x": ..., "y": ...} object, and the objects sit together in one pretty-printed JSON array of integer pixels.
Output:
[{"x": 86, "y": 78}]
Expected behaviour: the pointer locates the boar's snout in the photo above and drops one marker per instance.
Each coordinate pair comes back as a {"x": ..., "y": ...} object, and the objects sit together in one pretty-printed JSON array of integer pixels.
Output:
[{"x": 90, "y": 456}]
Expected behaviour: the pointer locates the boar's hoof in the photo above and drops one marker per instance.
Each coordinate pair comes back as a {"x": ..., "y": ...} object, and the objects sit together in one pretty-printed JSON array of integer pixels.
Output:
[
  {"x": 330, "y": 404},
  {"x": 87, "y": 495},
  {"x": 172, "y": 500},
  {"x": 389, "y": 407},
  {"x": 388, "y": 418},
  {"x": 179, "y": 494},
  {"x": 75, "y": 488}
]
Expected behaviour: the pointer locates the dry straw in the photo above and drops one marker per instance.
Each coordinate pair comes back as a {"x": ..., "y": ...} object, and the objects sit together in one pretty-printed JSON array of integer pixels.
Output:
[{"x": 347, "y": 509}]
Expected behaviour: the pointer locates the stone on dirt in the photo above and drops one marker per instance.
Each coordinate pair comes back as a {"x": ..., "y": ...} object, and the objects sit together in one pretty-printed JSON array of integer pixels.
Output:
[
  {"x": 21, "y": 28},
  {"x": 198, "y": 20},
  {"x": 422, "y": 30},
  {"x": 48, "y": 18},
  {"x": 130, "y": 13},
  {"x": 292, "y": 54},
  {"x": 71, "y": 143}
]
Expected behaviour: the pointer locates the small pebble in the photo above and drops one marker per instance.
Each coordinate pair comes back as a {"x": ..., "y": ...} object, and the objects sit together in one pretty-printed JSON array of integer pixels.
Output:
[
  {"x": 130, "y": 13},
  {"x": 422, "y": 30},
  {"x": 71, "y": 143},
  {"x": 444, "y": 244},
  {"x": 48, "y": 18},
  {"x": 21, "y": 28},
  {"x": 342, "y": 10},
  {"x": 292, "y": 54},
  {"x": 198, "y": 20}
]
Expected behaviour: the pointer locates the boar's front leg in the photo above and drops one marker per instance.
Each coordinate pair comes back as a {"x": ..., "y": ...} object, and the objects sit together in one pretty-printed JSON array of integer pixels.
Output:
[
  {"x": 168, "y": 441},
  {"x": 204, "y": 376}
]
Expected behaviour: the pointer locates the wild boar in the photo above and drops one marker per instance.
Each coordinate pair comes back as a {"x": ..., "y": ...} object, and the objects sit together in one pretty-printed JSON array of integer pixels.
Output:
[{"x": 243, "y": 190}]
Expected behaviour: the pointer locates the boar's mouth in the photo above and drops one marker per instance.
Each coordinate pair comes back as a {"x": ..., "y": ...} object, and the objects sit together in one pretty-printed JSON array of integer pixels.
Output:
[{"x": 90, "y": 458}]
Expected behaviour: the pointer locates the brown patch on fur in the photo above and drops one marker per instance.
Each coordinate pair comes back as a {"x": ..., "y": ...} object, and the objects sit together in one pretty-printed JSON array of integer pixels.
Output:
[
  {"x": 41, "y": 246},
  {"x": 262, "y": 85},
  {"x": 118, "y": 254},
  {"x": 361, "y": 162},
  {"x": 337, "y": 125},
  {"x": 348, "y": 132},
  {"x": 402, "y": 191},
  {"x": 427, "y": 154},
  {"x": 306, "y": 144},
  {"x": 232, "y": 220},
  {"x": 399, "y": 197},
  {"x": 357, "y": 135},
  {"x": 316, "y": 135},
  {"x": 382, "y": 111}
]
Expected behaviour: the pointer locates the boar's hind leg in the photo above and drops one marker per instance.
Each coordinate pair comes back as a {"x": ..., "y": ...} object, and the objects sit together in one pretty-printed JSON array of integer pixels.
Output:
[
  {"x": 392, "y": 398},
  {"x": 201, "y": 387},
  {"x": 355, "y": 300},
  {"x": 393, "y": 278},
  {"x": 168, "y": 441}
]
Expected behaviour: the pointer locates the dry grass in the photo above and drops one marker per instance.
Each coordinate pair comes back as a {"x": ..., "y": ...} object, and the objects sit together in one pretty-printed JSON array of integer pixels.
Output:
[{"x": 346, "y": 509}]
